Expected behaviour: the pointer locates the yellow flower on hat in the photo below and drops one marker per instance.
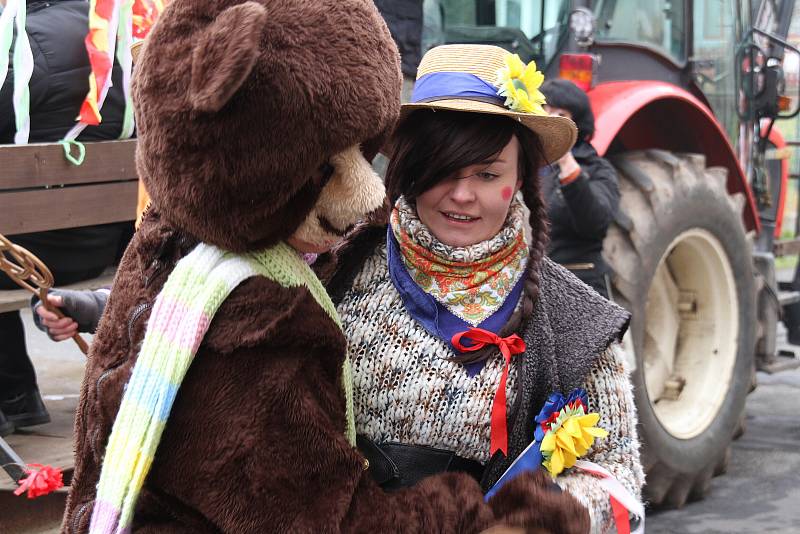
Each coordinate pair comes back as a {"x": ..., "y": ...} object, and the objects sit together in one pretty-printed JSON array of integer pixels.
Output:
[
  {"x": 520, "y": 83},
  {"x": 570, "y": 439}
]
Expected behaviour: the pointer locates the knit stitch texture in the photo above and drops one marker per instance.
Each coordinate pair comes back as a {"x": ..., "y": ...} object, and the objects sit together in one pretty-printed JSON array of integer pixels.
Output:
[
  {"x": 407, "y": 391},
  {"x": 611, "y": 395},
  {"x": 406, "y": 388}
]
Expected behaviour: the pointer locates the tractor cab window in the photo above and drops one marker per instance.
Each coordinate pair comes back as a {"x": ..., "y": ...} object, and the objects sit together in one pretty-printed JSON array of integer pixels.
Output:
[
  {"x": 714, "y": 44},
  {"x": 531, "y": 29},
  {"x": 656, "y": 23}
]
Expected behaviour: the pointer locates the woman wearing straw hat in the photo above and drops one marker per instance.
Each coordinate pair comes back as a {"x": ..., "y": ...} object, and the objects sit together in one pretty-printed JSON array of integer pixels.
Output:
[{"x": 462, "y": 333}]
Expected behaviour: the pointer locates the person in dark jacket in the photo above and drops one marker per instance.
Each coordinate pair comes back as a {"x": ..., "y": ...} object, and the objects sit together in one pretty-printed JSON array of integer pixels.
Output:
[
  {"x": 580, "y": 190},
  {"x": 60, "y": 81}
]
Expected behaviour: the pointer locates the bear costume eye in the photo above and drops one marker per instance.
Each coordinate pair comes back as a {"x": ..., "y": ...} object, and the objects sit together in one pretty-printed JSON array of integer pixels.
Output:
[
  {"x": 324, "y": 174},
  {"x": 328, "y": 226}
]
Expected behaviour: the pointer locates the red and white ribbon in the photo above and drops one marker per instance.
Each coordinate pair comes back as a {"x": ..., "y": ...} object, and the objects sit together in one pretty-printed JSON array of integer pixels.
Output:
[{"x": 622, "y": 502}]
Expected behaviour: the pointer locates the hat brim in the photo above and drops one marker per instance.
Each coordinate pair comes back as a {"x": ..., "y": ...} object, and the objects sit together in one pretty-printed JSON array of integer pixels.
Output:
[
  {"x": 557, "y": 134},
  {"x": 136, "y": 49}
]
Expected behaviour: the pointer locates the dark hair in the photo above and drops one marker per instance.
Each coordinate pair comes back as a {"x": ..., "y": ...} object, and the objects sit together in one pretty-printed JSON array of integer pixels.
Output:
[
  {"x": 566, "y": 95},
  {"x": 430, "y": 146}
]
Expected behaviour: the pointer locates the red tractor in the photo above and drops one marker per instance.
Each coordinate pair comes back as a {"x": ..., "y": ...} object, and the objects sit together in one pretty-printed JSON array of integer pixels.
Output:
[{"x": 685, "y": 94}]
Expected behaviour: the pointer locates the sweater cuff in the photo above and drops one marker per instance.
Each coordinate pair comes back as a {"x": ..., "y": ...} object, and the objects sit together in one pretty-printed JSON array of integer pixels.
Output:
[{"x": 571, "y": 177}]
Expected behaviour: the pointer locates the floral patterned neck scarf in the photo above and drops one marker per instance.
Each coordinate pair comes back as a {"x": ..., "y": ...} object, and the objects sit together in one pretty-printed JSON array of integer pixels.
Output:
[{"x": 471, "y": 282}]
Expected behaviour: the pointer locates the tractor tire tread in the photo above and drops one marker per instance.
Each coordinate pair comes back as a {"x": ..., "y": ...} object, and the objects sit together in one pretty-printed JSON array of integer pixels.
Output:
[{"x": 650, "y": 182}]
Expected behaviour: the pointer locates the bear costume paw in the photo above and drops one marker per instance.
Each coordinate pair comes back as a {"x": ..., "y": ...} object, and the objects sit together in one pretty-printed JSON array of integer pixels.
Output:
[{"x": 533, "y": 503}]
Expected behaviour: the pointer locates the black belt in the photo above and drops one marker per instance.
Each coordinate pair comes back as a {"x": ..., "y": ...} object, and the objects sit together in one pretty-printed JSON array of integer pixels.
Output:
[{"x": 395, "y": 465}]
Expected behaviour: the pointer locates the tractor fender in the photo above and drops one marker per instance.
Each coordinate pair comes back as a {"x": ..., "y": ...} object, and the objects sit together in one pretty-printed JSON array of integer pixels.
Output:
[{"x": 638, "y": 115}]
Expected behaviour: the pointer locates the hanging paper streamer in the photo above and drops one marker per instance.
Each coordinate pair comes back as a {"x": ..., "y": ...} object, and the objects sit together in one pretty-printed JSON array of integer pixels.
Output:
[
  {"x": 23, "y": 70},
  {"x": 113, "y": 26},
  {"x": 14, "y": 15},
  {"x": 124, "y": 42},
  {"x": 145, "y": 13},
  {"x": 100, "y": 44},
  {"x": 136, "y": 19},
  {"x": 6, "y": 36}
]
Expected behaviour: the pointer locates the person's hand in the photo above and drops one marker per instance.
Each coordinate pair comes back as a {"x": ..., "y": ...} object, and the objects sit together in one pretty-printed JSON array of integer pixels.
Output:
[
  {"x": 568, "y": 165},
  {"x": 57, "y": 328},
  {"x": 82, "y": 310}
]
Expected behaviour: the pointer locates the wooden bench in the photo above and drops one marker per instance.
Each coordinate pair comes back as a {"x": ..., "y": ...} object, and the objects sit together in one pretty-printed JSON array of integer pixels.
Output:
[{"x": 40, "y": 190}]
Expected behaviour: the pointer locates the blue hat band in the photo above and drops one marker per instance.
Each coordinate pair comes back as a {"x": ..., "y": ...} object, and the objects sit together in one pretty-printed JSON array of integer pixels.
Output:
[{"x": 454, "y": 85}]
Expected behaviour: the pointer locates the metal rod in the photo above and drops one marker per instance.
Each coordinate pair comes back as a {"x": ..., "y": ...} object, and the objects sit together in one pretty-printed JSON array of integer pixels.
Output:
[
  {"x": 11, "y": 462},
  {"x": 29, "y": 272}
]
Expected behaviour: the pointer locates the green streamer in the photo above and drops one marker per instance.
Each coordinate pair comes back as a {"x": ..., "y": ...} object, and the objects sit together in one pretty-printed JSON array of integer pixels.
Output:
[
  {"x": 124, "y": 41},
  {"x": 67, "y": 145}
]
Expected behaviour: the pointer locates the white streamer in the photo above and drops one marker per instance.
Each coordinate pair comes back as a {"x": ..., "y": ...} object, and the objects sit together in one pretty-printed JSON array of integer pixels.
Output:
[
  {"x": 23, "y": 70},
  {"x": 6, "y": 34}
]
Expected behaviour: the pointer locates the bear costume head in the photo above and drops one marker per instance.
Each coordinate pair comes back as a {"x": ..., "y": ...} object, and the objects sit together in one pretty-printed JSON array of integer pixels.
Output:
[{"x": 252, "y": 130}]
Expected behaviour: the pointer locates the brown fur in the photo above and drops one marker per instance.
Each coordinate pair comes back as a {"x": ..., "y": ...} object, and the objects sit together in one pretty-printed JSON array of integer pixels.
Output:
[
  {"x": 237, "y": 171},
  {"x": 243, "y": 107},
  {"x": 224, "y": 56},
  {"x": 534, "y": 502}
]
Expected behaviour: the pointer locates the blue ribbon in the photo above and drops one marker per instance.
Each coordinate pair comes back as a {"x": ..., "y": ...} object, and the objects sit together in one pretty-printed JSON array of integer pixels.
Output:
[
  {"x": 531, "y": 458},
  {"x": 446, "y": 85},
  {"x": 431, "y": 314},
  {"x": 555, "y": 403}
]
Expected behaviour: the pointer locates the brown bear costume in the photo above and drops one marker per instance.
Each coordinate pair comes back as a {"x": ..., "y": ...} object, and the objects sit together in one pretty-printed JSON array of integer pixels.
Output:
[{"x": 251, "y": 115}]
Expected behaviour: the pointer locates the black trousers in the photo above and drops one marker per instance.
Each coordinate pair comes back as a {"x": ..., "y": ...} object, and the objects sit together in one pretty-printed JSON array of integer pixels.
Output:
[{"x": 72, "y": 255}]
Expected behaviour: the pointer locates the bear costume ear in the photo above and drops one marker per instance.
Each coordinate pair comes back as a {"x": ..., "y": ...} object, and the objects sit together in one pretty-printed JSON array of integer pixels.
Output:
[{"x": 224, "y": 56}]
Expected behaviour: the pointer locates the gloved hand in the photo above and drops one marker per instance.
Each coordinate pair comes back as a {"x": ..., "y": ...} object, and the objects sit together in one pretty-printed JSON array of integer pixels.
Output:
[
  {"x": 533, "y": 502},
  {"x": 82, "y": 310}
]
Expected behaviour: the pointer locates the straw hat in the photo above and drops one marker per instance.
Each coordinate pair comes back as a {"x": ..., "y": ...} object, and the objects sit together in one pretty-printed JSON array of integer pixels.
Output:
[
  {"x": 450, "y": 83},
  {"x": 136, "y": 49}
]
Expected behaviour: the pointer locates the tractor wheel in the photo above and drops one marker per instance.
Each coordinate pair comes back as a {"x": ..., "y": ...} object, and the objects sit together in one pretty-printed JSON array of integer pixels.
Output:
[{"x": 683, "y": 268}]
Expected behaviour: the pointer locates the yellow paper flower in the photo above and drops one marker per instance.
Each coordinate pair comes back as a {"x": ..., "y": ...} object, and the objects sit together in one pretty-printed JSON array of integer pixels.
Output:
[
  {"x": 520, "y": 83},
  {"x": 569, "y": 440}
]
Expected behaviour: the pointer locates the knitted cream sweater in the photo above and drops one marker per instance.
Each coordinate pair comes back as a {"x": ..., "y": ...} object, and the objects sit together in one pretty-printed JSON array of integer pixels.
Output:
[{"x": 407, "y": 391}]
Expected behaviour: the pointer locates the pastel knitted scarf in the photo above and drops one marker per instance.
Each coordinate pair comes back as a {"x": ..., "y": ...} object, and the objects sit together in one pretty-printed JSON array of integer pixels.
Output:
[
  {"x": 182, "y": 313},
  {"x": 471, "y": 282}
]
